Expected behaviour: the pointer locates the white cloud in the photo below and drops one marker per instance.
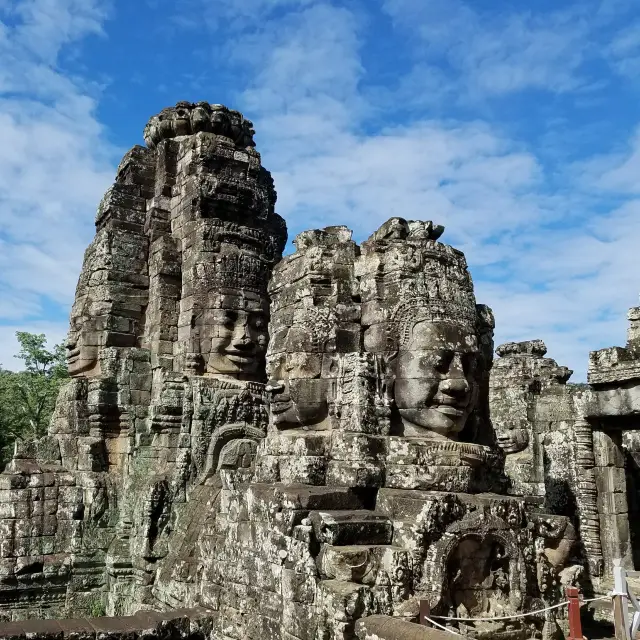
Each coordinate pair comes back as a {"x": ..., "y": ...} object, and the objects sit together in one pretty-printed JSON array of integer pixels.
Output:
[
  {"x": 614, "y": 172},
  {"x": 569, "y": 287},
  {"x": 624, "y": 50},
  {"x": 498, "y": 53},
  {"x": 54, "y": 162},
  {"x": 45, "y": 26},
  {"x": 229, "y": 15},
  {"x": 339, "y": 156}
]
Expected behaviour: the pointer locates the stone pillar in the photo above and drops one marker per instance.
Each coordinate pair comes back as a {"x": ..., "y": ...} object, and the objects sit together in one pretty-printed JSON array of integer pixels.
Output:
[
  {"x": 587, "y": 491},
  {"x": 315, "y": 314},
  {"x": 610, "y": 480},
  {"x": 530, "y": 408}
]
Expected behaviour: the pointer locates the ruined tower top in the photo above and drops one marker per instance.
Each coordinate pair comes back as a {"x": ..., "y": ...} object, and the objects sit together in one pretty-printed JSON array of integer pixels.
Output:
[{"x": 188, "y": 118}]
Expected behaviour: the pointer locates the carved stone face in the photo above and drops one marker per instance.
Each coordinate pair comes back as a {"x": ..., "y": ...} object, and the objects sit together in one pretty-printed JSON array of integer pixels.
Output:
[
  {"x": 298, "y": 392},
  {"x": 82, "y": 359},
  {"x": 435, "y": 388},
  {"x": 238, "y": 342},
  {"x": 511, "y": 438},
  {"x": 83, "y": 344}
]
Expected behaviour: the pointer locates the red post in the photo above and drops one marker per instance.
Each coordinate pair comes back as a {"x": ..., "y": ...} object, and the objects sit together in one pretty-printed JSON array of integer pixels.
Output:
[
  {"x": 575, "y": 625},
  {"x": 425, "y": 612}
]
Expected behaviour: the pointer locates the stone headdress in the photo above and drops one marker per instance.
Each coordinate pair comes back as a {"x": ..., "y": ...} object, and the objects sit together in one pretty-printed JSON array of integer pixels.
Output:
[
  {"x": 314, "y": 290},
  {"x": 407, "y": 276}
]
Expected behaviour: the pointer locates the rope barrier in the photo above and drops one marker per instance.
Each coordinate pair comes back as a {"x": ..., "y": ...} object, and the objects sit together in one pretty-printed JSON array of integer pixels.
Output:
[
  {"x": 519, "y": 615},
  {"x": 515, "y": 615},
  {"x": 441, "y": 626},
  {"x": 426, "y": 618}
]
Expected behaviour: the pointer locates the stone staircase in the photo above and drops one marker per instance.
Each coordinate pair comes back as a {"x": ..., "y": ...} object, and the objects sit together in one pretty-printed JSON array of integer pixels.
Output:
[{"x": 358, "y": 565}]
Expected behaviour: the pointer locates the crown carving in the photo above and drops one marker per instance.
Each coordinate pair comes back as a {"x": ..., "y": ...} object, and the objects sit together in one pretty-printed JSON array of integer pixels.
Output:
[{"x": 241, "y": 271}]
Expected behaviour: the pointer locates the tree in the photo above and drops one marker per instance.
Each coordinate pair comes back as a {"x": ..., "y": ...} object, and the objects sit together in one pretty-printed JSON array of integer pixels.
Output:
[{"x": 27, "y": 397}]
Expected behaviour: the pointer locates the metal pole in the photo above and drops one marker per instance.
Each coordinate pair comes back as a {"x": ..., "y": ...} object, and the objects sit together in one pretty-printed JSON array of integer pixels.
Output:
[
  {"x": 425, "y": 612},
  {"x": 620, "y": 602},
  {"x": 575, "y": 624}
]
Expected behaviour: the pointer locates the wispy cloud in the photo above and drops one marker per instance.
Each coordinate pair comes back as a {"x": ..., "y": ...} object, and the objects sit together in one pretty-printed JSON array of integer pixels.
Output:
[
  {"x": 54, "y": 161},
  {"x": 501, "y": 52},
  {"x": 340, "y": 155},
  {"x": 624, "y": 50},
  {"x": 45, "y": 26},
  {"x": 355, "y": 138},
  {"x": 615, "y": 172}
]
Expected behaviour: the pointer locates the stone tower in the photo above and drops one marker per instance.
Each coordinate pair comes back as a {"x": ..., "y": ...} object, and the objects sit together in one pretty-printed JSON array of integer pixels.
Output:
[{"x": 166, "y": 349}]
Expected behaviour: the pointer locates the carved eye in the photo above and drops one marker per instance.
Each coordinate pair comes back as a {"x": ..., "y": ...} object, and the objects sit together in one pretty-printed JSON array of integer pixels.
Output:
[
  {"x": 229, "y": 318},
  {"x": 259, "y": 322},
  {"x": 442, "y": 360}
]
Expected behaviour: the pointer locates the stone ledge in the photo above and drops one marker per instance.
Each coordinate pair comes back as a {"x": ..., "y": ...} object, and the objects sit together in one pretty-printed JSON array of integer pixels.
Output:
[
  {"x": 183, "y": 624},
  {"x": 388, "y": 628}
]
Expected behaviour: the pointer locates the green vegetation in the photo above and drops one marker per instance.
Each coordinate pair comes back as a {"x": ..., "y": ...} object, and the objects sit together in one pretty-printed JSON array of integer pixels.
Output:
[
  {"x": 97, "y": 608},
  {"x": 27, "y": 397}
]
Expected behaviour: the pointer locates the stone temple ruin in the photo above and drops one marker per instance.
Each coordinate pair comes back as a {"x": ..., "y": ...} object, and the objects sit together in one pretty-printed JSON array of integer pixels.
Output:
[{"x": 290, "y": 448}]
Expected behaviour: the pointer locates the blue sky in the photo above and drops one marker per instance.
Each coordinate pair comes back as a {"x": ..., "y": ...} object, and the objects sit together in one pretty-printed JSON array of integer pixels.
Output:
[{"x": 516, "y": 125}]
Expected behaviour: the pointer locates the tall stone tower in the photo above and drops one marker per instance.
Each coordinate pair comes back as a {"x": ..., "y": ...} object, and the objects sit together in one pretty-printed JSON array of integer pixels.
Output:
[{"x": 166, "y": 350}]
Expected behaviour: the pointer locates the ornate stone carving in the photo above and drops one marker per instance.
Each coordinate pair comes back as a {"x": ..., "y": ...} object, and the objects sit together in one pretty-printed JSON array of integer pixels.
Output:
[
  {"x": 315, "y": 317},
  {"x": 417, "y": 299},
  {"x": 294, "y": 443}
]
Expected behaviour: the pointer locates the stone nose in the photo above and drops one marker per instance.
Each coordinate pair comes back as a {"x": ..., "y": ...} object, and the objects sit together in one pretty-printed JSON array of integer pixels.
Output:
[
  {"x": 242, "y": 339},
  {"x": 455, "y": 386},
  {"x": 274, "y": 386}
]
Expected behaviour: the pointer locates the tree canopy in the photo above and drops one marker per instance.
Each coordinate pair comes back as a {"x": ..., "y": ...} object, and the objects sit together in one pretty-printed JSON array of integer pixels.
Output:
[{"x": 27, "y": 397}]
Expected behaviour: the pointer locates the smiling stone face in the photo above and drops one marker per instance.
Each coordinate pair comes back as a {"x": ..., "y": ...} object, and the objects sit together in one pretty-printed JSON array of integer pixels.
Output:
[
  {"x": 435, "y": 386},
  {"x": 298, "y": 391},
  {"x": 419, "y": 315},
  {"x": 239, "y": 341},
  {"x": 82, "y": 353},
  {"x": 314, "y": 318},
  {"x": 511, "y": 438}
]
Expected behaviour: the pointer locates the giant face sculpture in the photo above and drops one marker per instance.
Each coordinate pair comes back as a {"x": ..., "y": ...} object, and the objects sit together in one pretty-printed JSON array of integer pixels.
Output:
[
  {"x": 299, "y": 391},
  {"x": 82, "y": 347},
  {"x": 89, "y": 315},
  {"x": 436, "y": 387},
  {"x": 238, "y": 341},
  {"x": 511, "y": 437}
]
